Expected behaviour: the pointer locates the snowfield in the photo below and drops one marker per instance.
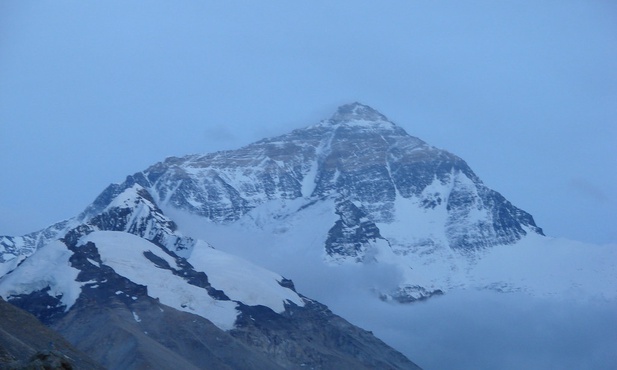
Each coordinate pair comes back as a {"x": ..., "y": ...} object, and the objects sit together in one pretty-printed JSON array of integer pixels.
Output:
[
  {"x": 48, "y": 267},
  {"x": 239, "y": 279},
  {"x": 242, "y": 280},
  {"x": 124, "y": 253}
]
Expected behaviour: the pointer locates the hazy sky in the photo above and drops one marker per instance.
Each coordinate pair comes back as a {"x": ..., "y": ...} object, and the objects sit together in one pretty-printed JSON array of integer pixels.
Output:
[{"x": 525, "y": 92}]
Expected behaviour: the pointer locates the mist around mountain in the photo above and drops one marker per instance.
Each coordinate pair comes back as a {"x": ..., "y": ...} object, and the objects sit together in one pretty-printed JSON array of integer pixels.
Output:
[{"x": 398, "y": 236}]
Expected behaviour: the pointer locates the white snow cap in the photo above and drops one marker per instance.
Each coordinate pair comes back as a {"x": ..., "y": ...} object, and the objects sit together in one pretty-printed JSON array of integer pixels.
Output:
[{"x": 357, "y": 112}]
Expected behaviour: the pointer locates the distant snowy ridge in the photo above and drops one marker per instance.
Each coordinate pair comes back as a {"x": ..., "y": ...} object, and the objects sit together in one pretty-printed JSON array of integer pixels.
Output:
[
  {"x": 140, "y": 223},
  {"x": 14, "y": 249}
]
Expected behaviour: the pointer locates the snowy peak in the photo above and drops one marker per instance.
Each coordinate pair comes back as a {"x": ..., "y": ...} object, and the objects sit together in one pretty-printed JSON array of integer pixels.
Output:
[
  {"x": 356, "y": 112},
  {"x": 392, "y": 196},
  {"x": 359, "y": 118},
  {"x": 355, "y": 156}
]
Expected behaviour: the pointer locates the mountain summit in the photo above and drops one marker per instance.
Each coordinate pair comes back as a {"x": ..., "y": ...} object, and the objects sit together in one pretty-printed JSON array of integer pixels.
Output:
[{"x": 356, "y": 112}]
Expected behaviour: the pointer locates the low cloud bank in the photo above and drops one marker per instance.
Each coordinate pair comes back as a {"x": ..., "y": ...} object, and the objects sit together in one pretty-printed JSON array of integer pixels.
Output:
[
  {"x": 464, "y": 329},
  {"x": 486, "y": 330},
  {"x": 468, "y": 329}
]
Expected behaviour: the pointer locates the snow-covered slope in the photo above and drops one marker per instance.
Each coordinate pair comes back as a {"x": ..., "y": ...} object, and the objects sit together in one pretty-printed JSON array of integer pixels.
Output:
[
  {"x": 48, "y": 270},
  {"x": 128, "y": 248},
  {"x": 144, "y": 263}
]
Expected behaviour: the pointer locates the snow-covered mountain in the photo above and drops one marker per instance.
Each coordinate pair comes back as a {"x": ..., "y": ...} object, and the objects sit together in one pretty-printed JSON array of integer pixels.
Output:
[
  {"x": 356, "y": 189},
  {"x": 123, "y": 262},
  {"x": 352, "y": 203}
]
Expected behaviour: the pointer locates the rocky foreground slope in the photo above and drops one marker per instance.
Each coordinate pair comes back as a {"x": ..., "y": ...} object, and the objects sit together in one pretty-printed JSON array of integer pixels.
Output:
[{"x": 25, "y": 343}]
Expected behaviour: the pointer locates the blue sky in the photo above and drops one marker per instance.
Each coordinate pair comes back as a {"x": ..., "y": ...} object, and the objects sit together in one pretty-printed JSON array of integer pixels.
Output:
[{"x": 526, "y": 93}]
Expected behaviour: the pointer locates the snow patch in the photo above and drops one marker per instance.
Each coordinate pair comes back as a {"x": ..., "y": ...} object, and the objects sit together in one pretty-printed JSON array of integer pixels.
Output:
[
  {"x": 94, "y": 262},
  {"x": 308, "y": 182}
]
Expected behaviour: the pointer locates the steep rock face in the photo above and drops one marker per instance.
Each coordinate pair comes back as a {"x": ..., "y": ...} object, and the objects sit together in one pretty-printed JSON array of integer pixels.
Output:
[{"x": 353, "y": 234}]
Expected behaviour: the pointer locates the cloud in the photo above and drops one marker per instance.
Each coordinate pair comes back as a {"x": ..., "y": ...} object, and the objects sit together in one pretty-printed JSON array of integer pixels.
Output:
[
  {"x": 219, "y": 133},
  {"x": 588, "y": 190},
  {"x": 464, "y": 329},
  {"x": 486, "y": 330}
]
